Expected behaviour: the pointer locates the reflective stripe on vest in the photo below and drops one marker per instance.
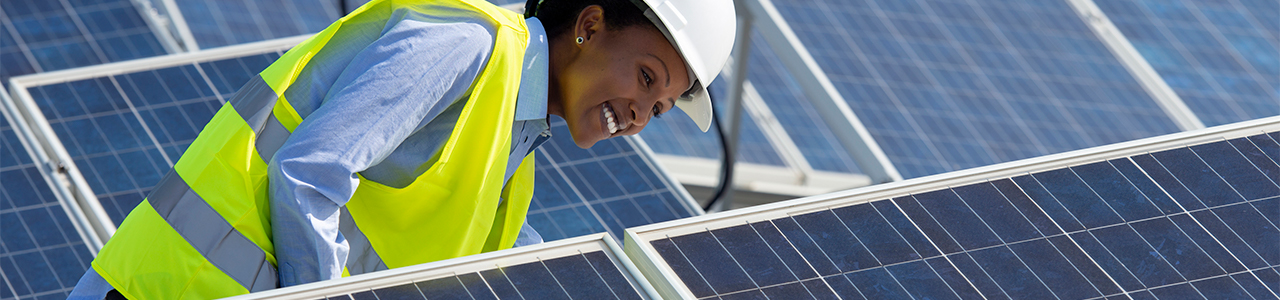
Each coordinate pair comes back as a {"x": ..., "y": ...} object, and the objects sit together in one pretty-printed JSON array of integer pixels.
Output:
[{"x": 204, "y": 231}]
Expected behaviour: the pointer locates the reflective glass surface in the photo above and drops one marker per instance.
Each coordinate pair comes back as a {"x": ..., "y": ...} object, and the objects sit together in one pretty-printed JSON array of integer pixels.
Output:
[{"x": 1198, "y": 222}]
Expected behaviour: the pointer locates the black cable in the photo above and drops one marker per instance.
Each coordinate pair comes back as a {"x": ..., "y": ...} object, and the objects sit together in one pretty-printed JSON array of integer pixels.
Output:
[{"x": 726, "y": 163}]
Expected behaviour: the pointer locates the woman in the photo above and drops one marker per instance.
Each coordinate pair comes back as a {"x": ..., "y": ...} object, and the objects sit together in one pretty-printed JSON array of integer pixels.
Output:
[{"x": 402, "y": 134}]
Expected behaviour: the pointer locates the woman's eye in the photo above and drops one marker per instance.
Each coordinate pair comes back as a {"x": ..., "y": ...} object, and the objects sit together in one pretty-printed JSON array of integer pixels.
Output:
[
  {"x": 657, "y": 111},
  {"x": 647, "y": 79}
]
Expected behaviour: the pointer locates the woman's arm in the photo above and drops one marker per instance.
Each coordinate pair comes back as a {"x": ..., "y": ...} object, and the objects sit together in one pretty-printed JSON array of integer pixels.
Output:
[{"x": 389, "y": 90}]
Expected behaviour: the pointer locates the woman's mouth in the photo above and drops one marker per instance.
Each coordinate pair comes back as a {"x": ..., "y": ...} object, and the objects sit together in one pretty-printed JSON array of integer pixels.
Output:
[{"x": 610, "y": 122}]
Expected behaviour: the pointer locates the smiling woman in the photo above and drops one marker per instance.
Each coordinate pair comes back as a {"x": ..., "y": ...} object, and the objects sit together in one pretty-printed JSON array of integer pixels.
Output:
[{"x": 403, "y": 134}]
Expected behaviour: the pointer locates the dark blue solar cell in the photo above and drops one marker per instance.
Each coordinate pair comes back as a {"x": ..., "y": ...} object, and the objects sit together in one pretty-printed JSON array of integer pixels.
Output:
[
  {"x": 1198, "y": 177},
  {"x": 905, "y": 228},
  {"x": 877, "y": 284},
  {"x": 1254, "y": 229},
  {"x": 1270, "y": 277},
  {"x": 746, "y": 295},
  {"x": 998, "y": 212},
  {"x": 1269, "y": 146},
  {"x": 921, "y": 281},
  {"x": 499, "y": 284},
  {"x": 716, "y": 266},
  {"x": 791, "y": 290},
  {"x": 612, "y": 276},
  {"x": 1137, "y": 255},
  {"x": 1167, "y": 182},
  {"x": 841, "y": 285},
  {"x": 579, "y": 278},
  {"x": 683, "y": 268},
  {"x": 806, "y": 246},
  {"x": 441, "y": 288},
  {"x": 1062, "y": 218},
  {"x": 834, "y": 238},
  {"x": 1178, "y": 249},
  {"x": 475, "y": 286},
  {"x": 958, "y": 219},
  {"x": 760, "y": 263},
  {"x": 1007, "y": 270},
  {"x": 1211, "y": 222},
  {"x": 780, "y": 246},
  {"x": 343, "y": 297},
  {"x": 1067, "y": 188},
  {"x": 1252, "y": 285},
  {"x": 972, "y": 273},
  {"x": 1143, "y": 183},
  {"x": 931, "y": 229},
  {"x": 880, "y": 237},
  {"x": 1054, "y": 269},
  {"x": 1120, "y": 194},
  {"x": 534, "y": 281},
  {"x": 1258, "y": 157},
  {"x": 1105, "y": 259},
  {"x": 1242, "y": 175},
  {"x": 399, "y": 292},
  {"x": 1206, "y": 242},
  {"x": 1220, "y": 288}
]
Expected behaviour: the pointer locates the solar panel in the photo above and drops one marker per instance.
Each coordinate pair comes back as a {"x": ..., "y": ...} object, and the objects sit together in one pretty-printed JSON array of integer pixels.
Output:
[
  {"x": 1192, "y": 214},
  {"x": 944, "y": 85},
  {"x": 41, "y": 36},
  {"x": 42, "y": 254},
  {"x": 1221, "y": 57},
  {"x": 217, "y": 23},
  {"x": 586, "y": 267},
  {"x": 125, "y": 126}
]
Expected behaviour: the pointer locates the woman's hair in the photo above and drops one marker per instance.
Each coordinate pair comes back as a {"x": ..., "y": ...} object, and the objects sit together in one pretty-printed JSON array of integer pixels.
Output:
[{"x": 558, "y": 16}]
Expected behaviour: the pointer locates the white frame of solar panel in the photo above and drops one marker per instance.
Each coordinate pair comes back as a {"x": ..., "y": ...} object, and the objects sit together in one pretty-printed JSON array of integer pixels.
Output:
[
  {"x": 74, "y": 211},
  {"x": 68, "y": 181},
  {"x": 467, "y": 264},
  {"x": 664, "y": 279}
]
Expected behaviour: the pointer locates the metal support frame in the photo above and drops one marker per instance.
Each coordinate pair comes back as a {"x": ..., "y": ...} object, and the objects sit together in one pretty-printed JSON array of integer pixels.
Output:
[
  {"x": 45, "y": 146},
  {"x": 1147, "y": 76},
  {"x": 669, "y": 285},
  {"x": 741, "y": 51},
  {"x": 178, "y": 25},
  {"x": 160, "y": 26},
  {"x": 818, "y": 88},
  {"x": 467, "y": 264},
  {"x": 92, "y": 233}
]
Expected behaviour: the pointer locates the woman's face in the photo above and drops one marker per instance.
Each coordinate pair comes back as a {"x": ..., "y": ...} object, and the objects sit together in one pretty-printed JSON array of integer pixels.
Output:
[{"x": 615, "y": 81}]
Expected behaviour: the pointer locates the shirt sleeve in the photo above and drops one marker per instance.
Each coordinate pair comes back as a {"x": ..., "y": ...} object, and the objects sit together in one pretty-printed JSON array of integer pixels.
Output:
[{"x": 388, "y": 91}]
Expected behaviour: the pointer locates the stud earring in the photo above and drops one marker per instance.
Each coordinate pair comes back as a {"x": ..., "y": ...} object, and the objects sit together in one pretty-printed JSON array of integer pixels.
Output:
[{"x": 579, "y": 40}]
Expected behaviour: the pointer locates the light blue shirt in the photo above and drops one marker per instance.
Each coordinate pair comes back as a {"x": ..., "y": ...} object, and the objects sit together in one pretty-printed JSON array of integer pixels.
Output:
[{"x": 384, "y": 116}]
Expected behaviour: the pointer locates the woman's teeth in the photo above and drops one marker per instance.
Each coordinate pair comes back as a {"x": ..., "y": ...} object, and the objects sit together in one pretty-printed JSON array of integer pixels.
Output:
[{"x": 608, "y": 117}]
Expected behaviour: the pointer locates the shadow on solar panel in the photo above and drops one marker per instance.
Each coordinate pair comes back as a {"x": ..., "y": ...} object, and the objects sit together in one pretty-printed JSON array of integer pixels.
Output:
[{"x": 1192, "y": 214}]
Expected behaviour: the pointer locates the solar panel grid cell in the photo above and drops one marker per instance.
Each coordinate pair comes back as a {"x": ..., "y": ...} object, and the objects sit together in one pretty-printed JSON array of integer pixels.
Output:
[
  {"x": 1104, "y": 229},
  {"x": 590, "y": 275},
  {"x": 41, "y": 253}
]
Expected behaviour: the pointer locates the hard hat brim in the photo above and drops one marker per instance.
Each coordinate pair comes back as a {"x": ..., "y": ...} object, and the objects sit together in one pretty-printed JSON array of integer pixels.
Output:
[{"x": 698, "y": 107}]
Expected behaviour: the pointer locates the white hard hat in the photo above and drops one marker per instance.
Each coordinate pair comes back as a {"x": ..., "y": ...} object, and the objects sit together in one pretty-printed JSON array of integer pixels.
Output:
[{"x": 703, "y": 32}]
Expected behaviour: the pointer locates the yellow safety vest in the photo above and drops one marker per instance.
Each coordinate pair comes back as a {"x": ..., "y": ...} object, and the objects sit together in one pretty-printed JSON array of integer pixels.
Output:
[{"x": 204, "y": 232}]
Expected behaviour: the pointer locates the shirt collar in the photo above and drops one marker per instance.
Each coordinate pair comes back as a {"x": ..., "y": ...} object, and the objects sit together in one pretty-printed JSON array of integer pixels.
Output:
[{"x": 531, "y": 103}]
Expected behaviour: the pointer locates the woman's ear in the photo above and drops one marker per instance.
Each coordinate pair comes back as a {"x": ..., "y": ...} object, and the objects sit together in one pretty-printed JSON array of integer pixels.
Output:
[{"x": 590, "y": 21}]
